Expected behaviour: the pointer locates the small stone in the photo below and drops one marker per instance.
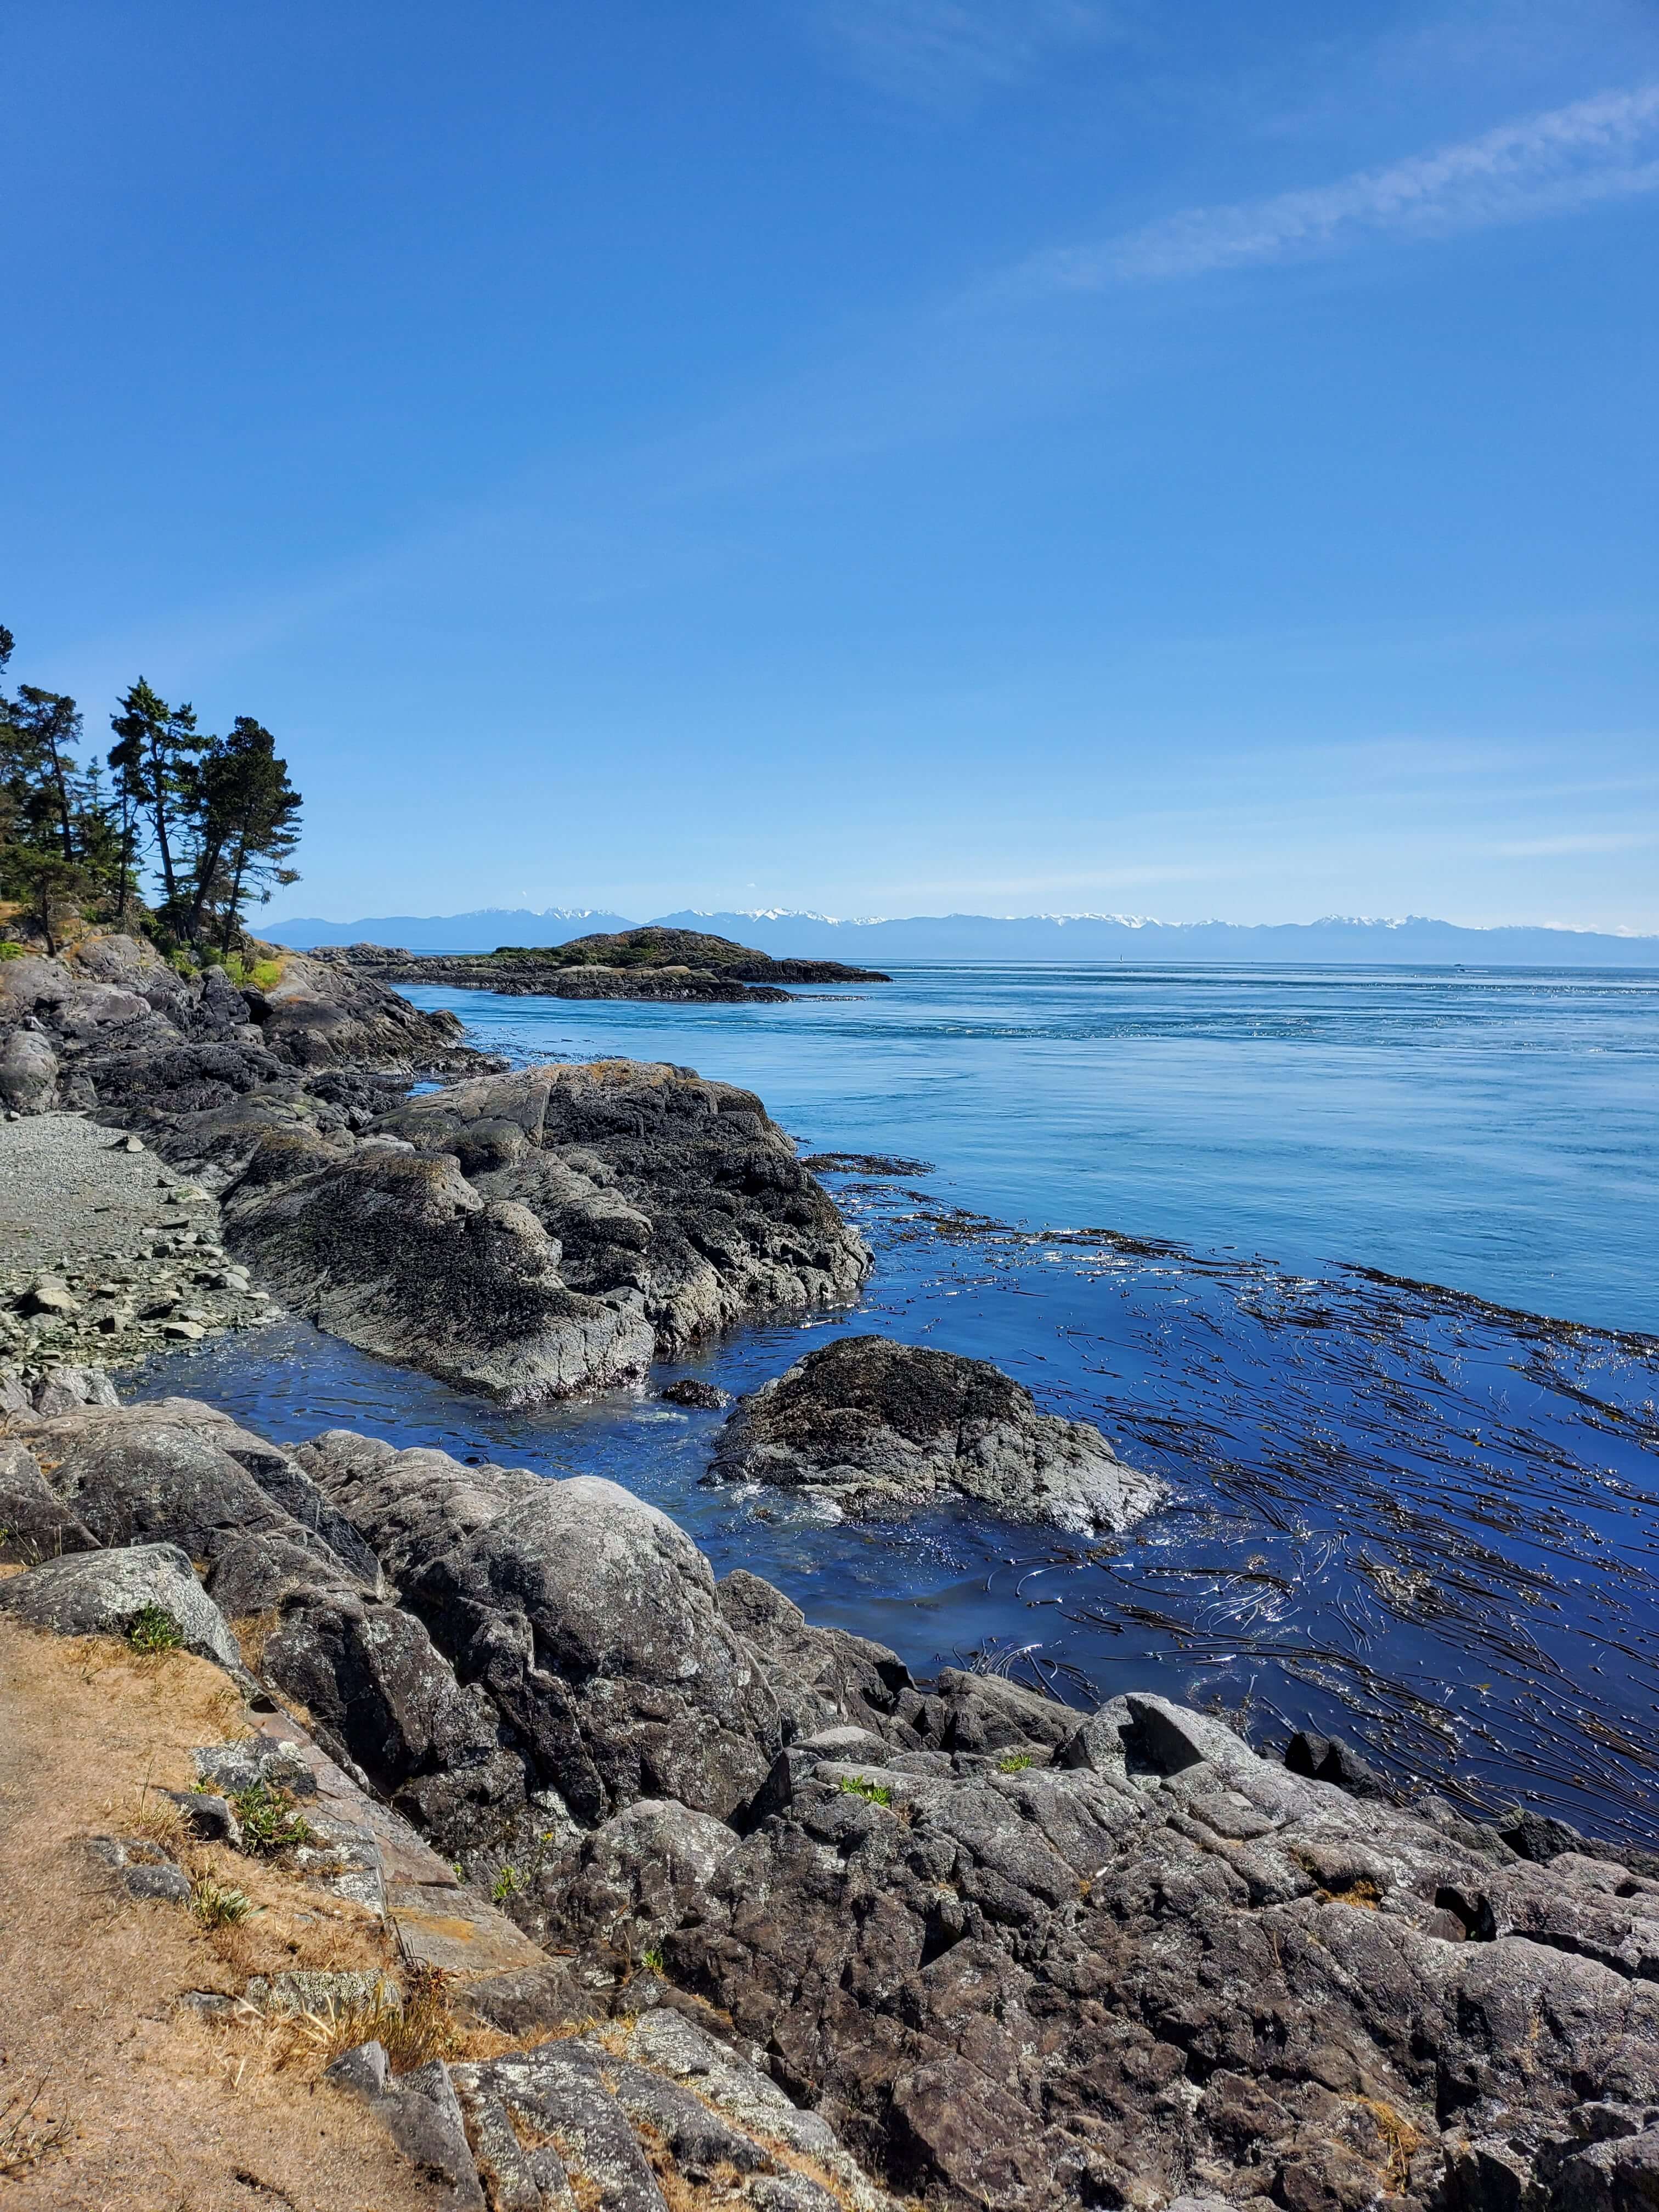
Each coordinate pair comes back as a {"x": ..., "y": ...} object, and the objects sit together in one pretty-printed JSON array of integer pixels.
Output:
[
  {"x": 133, "y": 1144},
  {"x": 210, "y": 1817},
  {"x": 49, "y": 1294},
  {"x": 691, "y": 1392},
  {"x": 188, "y": 1331}
]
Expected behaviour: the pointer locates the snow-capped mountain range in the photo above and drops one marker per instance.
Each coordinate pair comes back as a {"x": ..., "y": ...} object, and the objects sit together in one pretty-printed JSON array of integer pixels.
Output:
[{"x": 1349, "y": 938}]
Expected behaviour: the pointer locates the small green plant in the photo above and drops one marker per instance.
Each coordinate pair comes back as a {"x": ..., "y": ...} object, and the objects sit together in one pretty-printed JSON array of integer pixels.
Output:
[
  {"x": 153, "y": 1629},
  {"x": 265, "y": 975},
  {"x": 1015, "y": 1762},
  {"x": 218, "y": 1905},
  {"x": 10, "y": 950},
  {"x": 652, "y": 1960},
  {"x": 860, "y": 1785},
  {"x": 508, "y": 1883},
  {"x": 269, "y": 1823}
]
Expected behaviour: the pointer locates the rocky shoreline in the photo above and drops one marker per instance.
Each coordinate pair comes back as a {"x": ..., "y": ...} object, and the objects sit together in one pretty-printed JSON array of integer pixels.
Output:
[
  {"x": 724, "y": 1884},
  {"x": 1007, "y": 1954},
  {"x": 528, "y": 1235}
]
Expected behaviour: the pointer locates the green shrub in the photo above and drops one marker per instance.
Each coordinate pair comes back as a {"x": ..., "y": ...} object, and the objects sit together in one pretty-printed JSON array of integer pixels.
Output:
[
  {"x": 1015, "y": 1762},
  {"x": 152, "y": 1629},
  {"x": 265, "y": 975},
  {"x": 860, "y": 1785},
  {"x": 11, "y": 950},
  {"x": 269, "y": 1823}
]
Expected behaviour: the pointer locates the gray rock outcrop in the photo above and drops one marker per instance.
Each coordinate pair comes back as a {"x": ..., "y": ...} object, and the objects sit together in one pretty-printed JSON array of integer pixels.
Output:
[
  {"x": 532, "y": 1235},
  {"x": 103, "y": 1592},
  {"x": 526, "y": 1235},
  {"x": 1014, "y": 1957},
  {"x": 880, "y": 1429}
]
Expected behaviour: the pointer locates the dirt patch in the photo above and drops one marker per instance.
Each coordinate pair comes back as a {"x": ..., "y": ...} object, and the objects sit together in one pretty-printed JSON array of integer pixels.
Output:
[{"x": 113, "y": 2093}]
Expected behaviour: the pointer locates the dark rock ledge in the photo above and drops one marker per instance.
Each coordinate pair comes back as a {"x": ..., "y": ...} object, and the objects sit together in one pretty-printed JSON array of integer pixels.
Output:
[
  {"x": 1010, "y": 1955},
  {"x": 525, "y": 1235}
]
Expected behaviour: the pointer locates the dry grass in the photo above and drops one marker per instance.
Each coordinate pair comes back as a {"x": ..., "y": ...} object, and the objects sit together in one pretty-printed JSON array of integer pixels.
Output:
[
  {"x": 148, "y": 1812},
  {"x": 1401, "y": 2139},
  {"x": 32, "y": 2127},
  {"x": 412, "y": 2028},
  {"x": 252, "y": 1632},
  {"x": 113, "y": 2095}
]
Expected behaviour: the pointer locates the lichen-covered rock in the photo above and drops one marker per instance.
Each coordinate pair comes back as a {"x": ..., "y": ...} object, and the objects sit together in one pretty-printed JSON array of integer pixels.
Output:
[
  {"x": 1019, "y": 1985},
  {"x": 672, "y": 1205},
  {"x": 102, "y": 1593},
  {"x": 28, "y": 1071},
  {"x": 618, "y": 1669},
  {"x": 591, "y": 1621},
  {"x": 880, "y": 1429},
  {"x": 400, "y": 1255},
  {"x": 35, "y": 1524}
]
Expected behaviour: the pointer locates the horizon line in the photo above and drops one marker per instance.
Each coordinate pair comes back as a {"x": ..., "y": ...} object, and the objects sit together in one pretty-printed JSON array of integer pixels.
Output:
[{"x": 959, "y": 913}]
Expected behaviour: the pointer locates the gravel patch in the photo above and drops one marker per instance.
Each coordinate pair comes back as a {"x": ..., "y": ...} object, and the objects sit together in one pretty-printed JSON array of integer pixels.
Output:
[{"x": 105, "y": 1254}]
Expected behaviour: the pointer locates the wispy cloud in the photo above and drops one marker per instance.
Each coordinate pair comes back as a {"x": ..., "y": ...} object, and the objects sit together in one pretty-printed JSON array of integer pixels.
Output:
[
  {"x": 1587, "y": 840},
  {"x": 1573, "y": 157},
  {"x": 940, "y": 52}
]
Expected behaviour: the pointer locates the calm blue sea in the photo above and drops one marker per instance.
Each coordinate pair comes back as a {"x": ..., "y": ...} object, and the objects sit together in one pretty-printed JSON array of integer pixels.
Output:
[{"x": 1173, "y": 1201}]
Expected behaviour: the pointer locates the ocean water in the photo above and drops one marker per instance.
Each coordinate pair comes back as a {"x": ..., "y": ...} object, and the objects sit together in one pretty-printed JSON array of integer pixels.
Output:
[{"x": 1360, "y": 1261}]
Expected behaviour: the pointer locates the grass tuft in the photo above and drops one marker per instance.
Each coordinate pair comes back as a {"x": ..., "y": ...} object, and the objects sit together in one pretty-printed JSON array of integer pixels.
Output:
[
  {"x": 860, "y": 1785},
  {"x": 152, "y": 1631},
  {"x": 269, "y": 1823},
  {"x": 218, "y": 1904},
  {"x": 413, "y": 2028},
  {"x": 1015, "y": 1762}
]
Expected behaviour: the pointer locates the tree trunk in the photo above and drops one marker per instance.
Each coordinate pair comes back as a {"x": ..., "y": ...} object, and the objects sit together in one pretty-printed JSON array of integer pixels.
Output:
[
  {"x": 233, "y": 905},
  {"x": 158, "y": 786},
  {"x": 204, "y": 874}
]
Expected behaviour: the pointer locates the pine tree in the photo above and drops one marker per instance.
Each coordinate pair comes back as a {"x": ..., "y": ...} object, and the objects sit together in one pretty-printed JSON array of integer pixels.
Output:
[
  {"x": 247, "y": 828},
  {"x": 165, "y": 744}
]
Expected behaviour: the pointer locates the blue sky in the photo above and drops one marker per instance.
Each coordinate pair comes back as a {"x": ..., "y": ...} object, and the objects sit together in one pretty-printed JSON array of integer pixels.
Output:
[{"x": 883, "y": 456}]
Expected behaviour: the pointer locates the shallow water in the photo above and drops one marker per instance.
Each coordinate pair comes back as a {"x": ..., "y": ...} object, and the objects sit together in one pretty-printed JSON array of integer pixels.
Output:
[{"x": 1393, "y": 1512}]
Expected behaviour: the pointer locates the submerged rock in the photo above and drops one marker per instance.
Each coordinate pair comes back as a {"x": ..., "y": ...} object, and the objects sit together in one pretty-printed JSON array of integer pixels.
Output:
[{"x": 883, "y": 1429}]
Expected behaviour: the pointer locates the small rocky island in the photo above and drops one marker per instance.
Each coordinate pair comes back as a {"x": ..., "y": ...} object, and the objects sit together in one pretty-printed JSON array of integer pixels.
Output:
[{"x": 631, "y": 964}]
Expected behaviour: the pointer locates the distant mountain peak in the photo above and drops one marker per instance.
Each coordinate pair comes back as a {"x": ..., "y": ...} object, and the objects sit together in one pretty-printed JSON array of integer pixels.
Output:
[{"x": 787, "y": 933}]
